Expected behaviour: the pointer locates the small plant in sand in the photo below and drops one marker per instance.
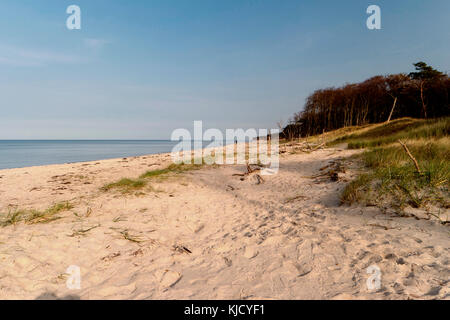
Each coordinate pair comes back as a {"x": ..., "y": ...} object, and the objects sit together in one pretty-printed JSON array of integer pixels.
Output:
[
  {"x": 171, "y": 170},
  {"x": 83, "y": 232},
  {"x": 32, "y": 216},
  {"x": 127, "y": 185},
  {"x": 119, "y": 219},
  {"x": 130, "y": 237}
]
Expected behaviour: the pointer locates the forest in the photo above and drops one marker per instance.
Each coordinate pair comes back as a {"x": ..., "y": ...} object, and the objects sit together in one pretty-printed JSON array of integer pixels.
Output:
[{"x": 423, "y": 93}]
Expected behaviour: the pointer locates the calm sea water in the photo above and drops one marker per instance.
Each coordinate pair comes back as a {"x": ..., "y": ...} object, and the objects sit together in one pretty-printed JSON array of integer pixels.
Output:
[{"x": 26, "y": 153}]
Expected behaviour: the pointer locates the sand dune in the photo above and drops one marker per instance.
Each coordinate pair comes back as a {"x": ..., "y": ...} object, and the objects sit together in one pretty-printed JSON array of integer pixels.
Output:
[{"x": 208, "y": 235}]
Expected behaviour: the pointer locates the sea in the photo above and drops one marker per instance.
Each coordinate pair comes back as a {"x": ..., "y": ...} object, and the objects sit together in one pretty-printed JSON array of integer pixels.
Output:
[{"x": 27, "y": 153}]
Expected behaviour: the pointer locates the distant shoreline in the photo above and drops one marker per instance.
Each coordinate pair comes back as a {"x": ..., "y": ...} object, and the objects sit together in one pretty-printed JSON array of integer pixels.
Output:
[
  {"x": 49, "y": 160},
  {"x": 84, "y": 162},
  {"x": 15, "y": 154}
]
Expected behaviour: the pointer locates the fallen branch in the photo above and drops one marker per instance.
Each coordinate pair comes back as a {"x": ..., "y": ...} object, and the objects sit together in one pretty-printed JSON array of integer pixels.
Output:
[
  {"x": 318, "y": 146},
  {"x": 181, "y": 249},
  {"x": 292, "y": 199},
  {"x": 259, "y": 178},
  {"x": 249, "y": 171},
  {"x": 380, "y": 226},
  {"x": 82, "y": 232},
  {"x": 326, "y": 167},
  {"x": 411, "y": 156}
]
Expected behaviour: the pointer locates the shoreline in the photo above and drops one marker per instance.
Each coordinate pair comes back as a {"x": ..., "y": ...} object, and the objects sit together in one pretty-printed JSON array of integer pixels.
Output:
[
  {"x": 85, "y": 162},
  {"x": 114, "y": 158}
]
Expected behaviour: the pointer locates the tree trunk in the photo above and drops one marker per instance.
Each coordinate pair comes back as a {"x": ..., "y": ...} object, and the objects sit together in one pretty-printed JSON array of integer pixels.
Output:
[
  {"x": 424, "y": 106},
  {"x": 392, "y": 110}
]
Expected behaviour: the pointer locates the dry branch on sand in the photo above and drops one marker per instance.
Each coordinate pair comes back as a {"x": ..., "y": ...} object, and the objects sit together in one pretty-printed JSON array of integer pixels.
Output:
[
  {"x": 181, "y": 249},
  {"x": 251, "y": 171},
  {"x": 416, "y": 164},
  {"x": 83, "y": 232},
  {"x": 303, "y": 146},
  {"x": 334, "y": 168}
]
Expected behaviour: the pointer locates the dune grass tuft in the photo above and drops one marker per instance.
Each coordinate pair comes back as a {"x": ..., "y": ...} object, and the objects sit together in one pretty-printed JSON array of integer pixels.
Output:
[
  {"x": 32, "y": 216},
  {"x": 388, "y": 133},
  {"x": 133, "y": 238},
  {"x": 392, "y": 176},
  {"x": 171, "y": 169},
  {"x": 126, "y": 185}
]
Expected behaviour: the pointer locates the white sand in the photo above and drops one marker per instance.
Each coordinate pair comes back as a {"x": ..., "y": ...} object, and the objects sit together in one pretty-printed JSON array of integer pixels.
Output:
[{"x": 286, "y": 238}]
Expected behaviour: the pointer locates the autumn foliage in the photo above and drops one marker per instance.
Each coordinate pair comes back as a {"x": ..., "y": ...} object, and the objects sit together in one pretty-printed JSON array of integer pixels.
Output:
[{"x": 420, "y": 94}]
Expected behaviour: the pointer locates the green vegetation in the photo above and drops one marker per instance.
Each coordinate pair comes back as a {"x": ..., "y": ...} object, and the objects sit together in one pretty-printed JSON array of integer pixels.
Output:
[
  {"x": 83, "y": 232},
  {"x": 393, "y": 177},
  {"x": 32, "y": 216},
  {"x": 171, "y": 169},
  {"x": 402, "y": 129},
  {"x": 133, "y": 238},
  {"x": 127, "y": 185}
]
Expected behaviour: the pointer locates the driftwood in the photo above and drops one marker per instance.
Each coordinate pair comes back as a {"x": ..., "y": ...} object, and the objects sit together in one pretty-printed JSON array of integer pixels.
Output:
[
  {"x": 380, "y": 226},
  {"x": 326, "y": 167},
  {"x": 334, "y": 168},
  {"x": 250, "y": 171},
  {"x": 416, "y": 164},
  {"x": 259, "y": 178},
  {"x": 318, "y": 146},
  {"x": 298, "y": 197},
  {"x": 181, "y": 249},
  {"x": 301, "y": 146}
]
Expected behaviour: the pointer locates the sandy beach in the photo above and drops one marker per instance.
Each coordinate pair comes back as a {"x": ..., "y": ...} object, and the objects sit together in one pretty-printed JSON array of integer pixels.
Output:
[{"x": 211, "y": 234}]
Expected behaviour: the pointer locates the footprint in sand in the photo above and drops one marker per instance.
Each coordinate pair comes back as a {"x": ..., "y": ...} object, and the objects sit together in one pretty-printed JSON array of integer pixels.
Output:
[
  {"x": 304, "y": 263},
  {"x": 250, "y": 252},
  {"x": 168, "y": 278}
]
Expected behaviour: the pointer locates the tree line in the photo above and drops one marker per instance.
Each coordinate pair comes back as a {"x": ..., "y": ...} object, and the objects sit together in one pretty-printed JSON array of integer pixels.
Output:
[{"x": 420, "y": 94}]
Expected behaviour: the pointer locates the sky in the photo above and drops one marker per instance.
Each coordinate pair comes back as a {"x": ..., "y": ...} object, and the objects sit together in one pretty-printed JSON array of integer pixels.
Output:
[{"x": 141, "y": 69}]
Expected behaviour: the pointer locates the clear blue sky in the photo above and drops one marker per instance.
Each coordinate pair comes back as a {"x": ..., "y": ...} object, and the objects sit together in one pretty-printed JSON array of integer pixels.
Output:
[{"x": 140, "y": 69}]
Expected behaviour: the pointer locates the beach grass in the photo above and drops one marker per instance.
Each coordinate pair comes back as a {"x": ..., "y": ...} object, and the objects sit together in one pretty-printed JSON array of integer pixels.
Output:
[
  {"x": 125, "y": 185},
  {"x": 171, "y": 169},
  {"x": 401, "y": 129},
  {"x": 130, "y": 237},
  {"x": 32, "y": 216},
  {"x": 392, "y": 176},
  {"x": 128, "y": 185}
]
